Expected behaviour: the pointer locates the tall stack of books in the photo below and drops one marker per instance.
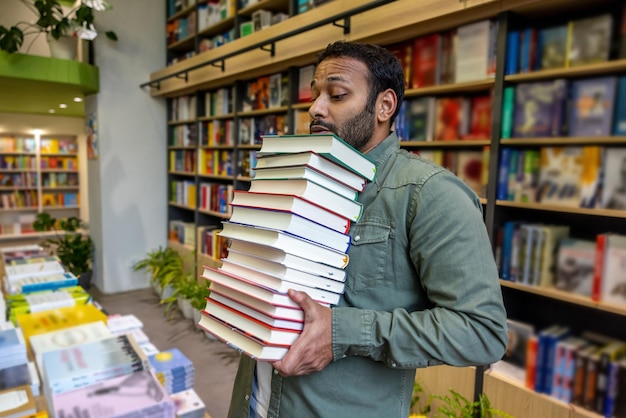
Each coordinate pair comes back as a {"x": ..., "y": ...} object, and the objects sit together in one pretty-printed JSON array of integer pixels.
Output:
[
  {"x": 288, "y": 231},
  {"x": 173, "y": 369}
]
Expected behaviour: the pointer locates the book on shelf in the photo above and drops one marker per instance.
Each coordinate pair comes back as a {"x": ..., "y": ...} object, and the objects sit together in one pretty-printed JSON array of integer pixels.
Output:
[
  {"x": 420, "y": 116},
  {"x": 425, "y": 61},
  {"x": 17, "y": 402},
  {"x": 472, "y": 51},
  {"x": 575, "y": 266},
  {"x": 286, "y": 242},
  {"x": 609, "y": 353},
  {"x": 619, "y": 122},
  {"x": 552, "y": 47},
  {"x": 293, "y": 224},
  {"x": 245, "y": 286},
  {"x": 451, "y": 118},
  {"x": 616, "y": 392},
  {"x": 613, "y": 280},
  {"x": 257, "y": 329},
  {"x": 552, "y": 235},
  {"x": 539, "y": 109},
  {"x": 312, "y": 161},
  {"x": 328, "y": 145},
  {"x": 518, "y": 333},
  {"x": 137, "y": 394},
  {"x": 593, "y": 102},
  {"x": 241, "y": 342},
  {"x": 403, "y": 51},
  {"x": 589, "y": 40},
  {"x": 316, "y": 212},
  {"x": 614, "y": 179},
  {"x": 85, "y": 364},
  {"x": 67, "y": 337},
  {"x": 320, "y": 289},
  {"x": 243, "y": 304},
  {"x": 262, "y": 254},
  {"x": 562, "y": 378}
]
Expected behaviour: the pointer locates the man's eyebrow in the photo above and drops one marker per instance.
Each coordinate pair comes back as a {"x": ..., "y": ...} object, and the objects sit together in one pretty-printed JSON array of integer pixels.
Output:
[{"x": 330, "y": 79}]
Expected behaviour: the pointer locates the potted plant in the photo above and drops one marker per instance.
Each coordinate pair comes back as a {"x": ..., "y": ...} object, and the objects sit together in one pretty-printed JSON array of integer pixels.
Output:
[
  {"x": 57, "y": 22},
  {"x": 157, "y": 263},
  {"x": 456, "y": 405},
  {"x": 416, "y": 402},
  {"x": 70, "y": 243}
]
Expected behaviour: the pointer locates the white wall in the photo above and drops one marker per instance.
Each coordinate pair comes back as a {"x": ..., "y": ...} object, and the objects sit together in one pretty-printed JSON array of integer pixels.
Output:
[{"x": 130, "y": 202}]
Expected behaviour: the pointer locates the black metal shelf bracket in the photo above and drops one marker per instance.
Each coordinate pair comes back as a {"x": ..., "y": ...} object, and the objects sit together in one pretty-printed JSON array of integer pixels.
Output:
[
  {"x": 221, "y": 64},
  {"x": 271, "y": 48},
  {"x": 183, "y": 76},
  {"x": 345, "y": 25},
  {"x": 155, "y": 85}
]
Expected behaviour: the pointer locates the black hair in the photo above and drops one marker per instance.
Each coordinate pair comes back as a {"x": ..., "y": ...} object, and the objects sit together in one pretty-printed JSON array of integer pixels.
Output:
[{"x": 385, "y": 70}]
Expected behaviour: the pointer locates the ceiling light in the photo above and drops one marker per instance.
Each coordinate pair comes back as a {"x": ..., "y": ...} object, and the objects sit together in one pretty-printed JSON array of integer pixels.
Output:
[
  {"x": 51, "y": 110},
  {"x": 78, "y": 99},
  {"x": 63, "y": 106}
]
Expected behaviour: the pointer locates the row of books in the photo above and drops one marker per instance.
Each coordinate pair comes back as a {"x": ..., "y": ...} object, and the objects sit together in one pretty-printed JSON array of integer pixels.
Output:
[
  {"x": 183, "y": 135},
  {"x": 574, "y": 176},
  {"x": 17, "y": 144},
  {"x": 18, "y": 162},
  {"x": 219, "y": 102},
  {"x": 215, "y": 162},
  {"x": 216, "y": 197},
  {"x": 19, "y": 199},
  {"x": 68, "y": 199},
  {"x": 444, "y": 118},
  {"x": 27, "y": 179},
  {"x": 288, "y": 231},
  {"x": 251, "y": 130},
  {"x": 246, "y": 163},
  {"x": 181, "y": 28},
  {"x": 266, "y": 92},
  {"x": 183, "y": 193},
  {"x": 59, "y": 179},
  {"x": 547, "y": 256},
  {"x": 583, "y": 107},
  {"x": 218, "y": 132},
  {"x": 586, "y": 369},
  {"x": 261, "y": 19},
  {"x": 21, "y": 223},
  {"x": 65, "y": 163},
  {"x": 183, "y": 160},
  {"x": 577, "y": 42},
  {"x": 58, "y": 146},
  {"x": 182, "y": 232},
  {"x": 183, "y": 108},
  {"x": 212, "y": 243}
]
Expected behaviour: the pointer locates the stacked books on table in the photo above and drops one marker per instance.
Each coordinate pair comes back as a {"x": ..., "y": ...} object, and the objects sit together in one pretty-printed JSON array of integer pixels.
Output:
[
  {"x": 173, "y": 369},
  {"x": 33, "y": 274},
  {"x": 288, "y": 231}
]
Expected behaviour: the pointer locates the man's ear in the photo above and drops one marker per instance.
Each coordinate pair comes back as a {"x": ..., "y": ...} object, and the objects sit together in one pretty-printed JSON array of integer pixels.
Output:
[{"x": 386, "y": 105}]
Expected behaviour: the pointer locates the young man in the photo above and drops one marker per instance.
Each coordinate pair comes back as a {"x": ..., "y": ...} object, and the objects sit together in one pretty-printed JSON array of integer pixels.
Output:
[{"x": 422, "y": 286}]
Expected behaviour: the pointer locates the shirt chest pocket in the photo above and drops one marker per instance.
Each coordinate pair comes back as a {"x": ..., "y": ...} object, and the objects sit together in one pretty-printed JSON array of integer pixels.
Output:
[{"x": 369, "y": 253}]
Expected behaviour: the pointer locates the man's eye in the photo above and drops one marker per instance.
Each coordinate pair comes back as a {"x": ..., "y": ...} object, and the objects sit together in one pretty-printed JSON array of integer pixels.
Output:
[{"x": 337, "y": 96}]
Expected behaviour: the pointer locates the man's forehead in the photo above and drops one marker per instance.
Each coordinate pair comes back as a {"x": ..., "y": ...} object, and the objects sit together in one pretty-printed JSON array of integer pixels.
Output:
[{"x": 340, "y": 69}]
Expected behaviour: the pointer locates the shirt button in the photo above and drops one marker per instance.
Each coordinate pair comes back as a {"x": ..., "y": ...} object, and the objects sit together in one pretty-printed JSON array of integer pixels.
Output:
[
  {"x": 275, "y": 371},
  {"x": 247, "y": 397},
  {"x": 394, "y": 364},
  {"x": 358, "y": 237},
  {"x": 344, "y": 355}
]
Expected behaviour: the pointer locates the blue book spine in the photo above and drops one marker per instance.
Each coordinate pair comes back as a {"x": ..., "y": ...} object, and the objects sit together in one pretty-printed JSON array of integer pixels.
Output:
[
  {"x": 619, "y": 125},
  {"x": 512, "y": 52},
  {"x": 507, "y": 241},
  {"x": 503, "y": 174},
  {"x": 525, "y": 51}
]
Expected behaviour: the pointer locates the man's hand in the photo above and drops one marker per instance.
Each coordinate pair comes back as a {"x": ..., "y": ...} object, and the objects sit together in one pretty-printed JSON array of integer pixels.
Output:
[{"x": 312, "y": 351}]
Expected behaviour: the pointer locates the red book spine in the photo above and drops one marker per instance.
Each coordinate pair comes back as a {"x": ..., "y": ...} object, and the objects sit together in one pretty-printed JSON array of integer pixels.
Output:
[{"x": 598, "y": 270}]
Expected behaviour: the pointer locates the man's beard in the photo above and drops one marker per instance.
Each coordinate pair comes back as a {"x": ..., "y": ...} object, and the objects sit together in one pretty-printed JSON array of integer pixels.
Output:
[{"x": 356, "y": 131}]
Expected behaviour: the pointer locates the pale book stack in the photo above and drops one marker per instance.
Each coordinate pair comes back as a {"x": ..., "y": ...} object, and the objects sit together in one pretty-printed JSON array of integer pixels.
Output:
[{"x": 288, "y": 231}]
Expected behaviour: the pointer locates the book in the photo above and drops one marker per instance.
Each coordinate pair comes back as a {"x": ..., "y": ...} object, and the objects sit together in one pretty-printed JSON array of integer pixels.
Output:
[
  {"x": 403, "y": 51},
  {"x": 560, "y": 175},
  {"x": 255, "y": 328},
  {"x": 241, "y": 342},
  {"x": 614, "y": 179},
  {"x": 470, "y": 170},
  {"x": 613, "y": 281},
  {"x": 314, "y": 161},
  {"x": 619, "y": 122},
  {"x": 52, "y": 281},
  {"x": 575, "y": 266},
  {"x": 312, "y": 192},
  {"x": 92, "y": 362},
  {"x": 616, "y": 392},
  {"x": 287, "y": 316},
  {"x": 553, "y": 47},
  {"x": 593, "y": 101},
  {"x": 518, "y": 332},
  {"x": 17, "y": 271},
  {"x": 472, "y": 51},
  {"x": 293, "y": 224},
  {"x": 286, "y": 242},
  {"x": 17, "y": 402},
  {"x": 261, "y": 253},
  {"x": 425, "y": 61},
  {"x": 67, "y": 337},
  {"x": 137, "y": 394},
  {"x": 589, "y": 40},
  {"x": 173, "y": 369},
  {"x": 420, "y": 118},
  {"x": 188, "y": 404},
  {"x": 479, "y": 126},
  {"x": 309, "y": 173},
  {"x": 318, "y": 288},
  {"x": 552, "y": 235},
  {"x": 451, "y": 118},
  {"x": 539, "y": 109},
  {"x": 294, "y": 204},
  {"x": 243, "y": 285},
  {"x": 328, "y": 145}
]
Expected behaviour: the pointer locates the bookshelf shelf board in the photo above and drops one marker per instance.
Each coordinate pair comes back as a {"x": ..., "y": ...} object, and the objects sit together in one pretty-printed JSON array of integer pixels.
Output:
[
  {"x": 244, "y": 178},
  {"x": 216, "y": 177},
  {"x": 272, "y": 5},
  {"x": 207, "y": 260},
  {"x": 609, "y": 213},
  {"x": 182, "y": 13},
  {"x": 181, "y": 122},
  {"x": 60, "y": 187},
  {"x": 24, "y": 208},
  {"x": 226, "y": 147},
  {"x": 301, "y": 106},
  {"x": 217, "y": 117},
  {"x": 185, "y": 44},
  {"x": 18, "y": 153},
  {"x": 215, "y": 213},
  {"x": 17, "y": 170},
  {"x": 483, "y": 200},
  {"x": 260, "y": 112},
  {"x": 59, "y": 170},
  {"x": 221, "y": 26},
  {"x": 553, "y": 293},
  {"x": 468, "y": 86},
  {"x": 609, "y": 140},
  {"x": 446, "y": 144},
  {"x": 182, "y": 173},
  {"x": 179, "y": 246},
  {"x": 181, "y": 206},
  {"x": 249, "y": 146},
  {"x": 15, "y": 188},
  {"x": 175, "y": 147},
  {"x": 59, "y": 207},
  {"x": 583, "y": 70},
  {"x": 59, "y": 154}
]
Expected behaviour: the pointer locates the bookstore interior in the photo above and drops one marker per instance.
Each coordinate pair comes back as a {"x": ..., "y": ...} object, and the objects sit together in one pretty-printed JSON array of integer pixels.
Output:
[{"x": 523, "y": 100}]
